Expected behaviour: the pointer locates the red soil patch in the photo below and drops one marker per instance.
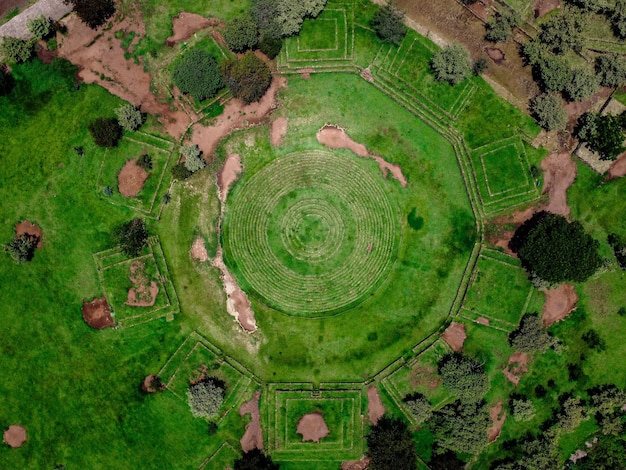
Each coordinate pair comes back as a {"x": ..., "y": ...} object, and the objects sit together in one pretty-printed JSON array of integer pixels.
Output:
[
  {"x": 101, "y": 60},
  {"x": 312, "y": 427},
  {"x": 145, "y": 292},
  {"x": 15, "y": 436},
  {"x": 253, "y": 437},
  {"x": 618, "y": 168},
  {"x": 560, "y": 173},
  {"x": 455, "y": 336},
  {"x": 147, "y": 386},
  {"x": 559, "y": 303},
  {"x": 516, "y": 367},
  {"x": 97, "y": 313},
  {"x": 497, "y": 418},
  {"x": 236, "y": 115},
  {"x": 306, "y": 72},
  {"x": 278, "y": 130},
  {"x": 185, "y": 25},
  {"x": 131, "y": 179},
  {"x": 198, "y": 250},
  {"x": 366, "y": 74},
  {"x": 375, "y": 408},
  {"x": 576, "y": 109},
  {"x": 496, "y": 55},
  {"x": 32, "y": 230},
  {"x": 362, "y": 464},
  {"x": 44, "y": 54},
  {"x": 228, "y": 175},
  {"x": 543, "y": 7},
  {"x": 482, "y": 321},
  {"x": 335, "y": 137}
]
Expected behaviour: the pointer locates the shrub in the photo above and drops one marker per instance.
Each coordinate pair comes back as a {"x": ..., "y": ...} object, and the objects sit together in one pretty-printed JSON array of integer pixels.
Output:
[
  {"x": 500, "y": 26},
  {"x": 611, "y": 68},
  {"x": 248, "y": 79},
  {"x": 594, "y": 340},
  {"x": 106, "y": 132},
  {"x": 463, "y": 376},
  {"x": 206, "y": 397},
  {"x": 7, "y": 82},
  {"x": 193, "y": 158},
  {"x": 129, "y": 117},
  {"x": 145, "y": 162},
  {"x": 270, "y": 45},
  {"x": 107, "y": 191},
  {"x": 608, "y": 138},
  {"x": 583, "y": 83},
  {"x": 556, "y": 250},
  {"x": 460, "y": 427},
  {"x": 530, "y": 335},
  {"x": 211, "y": 428},
  {"x": 451, "y": 64},
  {"x": 198, "y": 74},
  {"x": 522, "y": 409},
  {"x": 390, "y": 445},
  {"x": 480, "y": 65},
  {"x": 241, "y": 34},
  {"x": 387, "y": 22},
  {"x": 40, "y": 27},
  {"x": 93, "y": 13},
  {"x": 180, "y": 172},
  {"x": 132, "y": 237},
  {"x": 22, "y": 248},
  {"x": 255, "y": 459},
  {"x": 554, "y": 73},
  {"x": 564, "y": 32},
  {"x": 549, "y": 112},
  {"x": 16, "y": 49},
  {"x": 622, "y": 311},
  {"x": 419, "y": 406}
]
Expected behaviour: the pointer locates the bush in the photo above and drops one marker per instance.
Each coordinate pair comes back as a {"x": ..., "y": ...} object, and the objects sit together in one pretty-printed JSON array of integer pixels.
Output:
[
  {"x": 193, "y": 158},
  {"x": 106, "y": 132},
  {"x": 554, "y": 73},
  {"x": 145, "y": 162},
  {"x": 608, "y": 138},
  {"x": 530, "y": 335},
  {"x": 22, "y": 249},
  {"x": 270, "y": 45},
  {"x": 132, "y": 237},
  {"x": 390, "y": 445},
  {"x": 594, "y": 340},
  {"x": 387, "y": 22},
  {"x": 451, "y": 64},
  {"x": 500, "y": 26},
  {"x": 419, "y": 406},
  {"x": 463, "y": 376},
  {"x": 564, "y": 32},
  {"x": 556, "y": 250},
  {"x": 180, "y": 172},
  {"x": 522, "y": 409},
  {"x": 40, "y": 27},
  {"x": 549, "y": 112},
  {"x": 241, "y": 34},
  {"x": 583, "y": 83},
  {"x": 611, "y": 68},
  {"x": 129, "y": 117},
  {"x": 7, "y": 82},
  {"x": 247, "y": 79},
  {"x": 480, "y": 65},
  {"x": 255, "y": 459},
  {"x": 16, "y": 50},
  {"x": 206, "y": 397},
  {"x": 198, "y": 74},
  {"x": 94, "y": 13},
  {"x": 460, "y": 427}
]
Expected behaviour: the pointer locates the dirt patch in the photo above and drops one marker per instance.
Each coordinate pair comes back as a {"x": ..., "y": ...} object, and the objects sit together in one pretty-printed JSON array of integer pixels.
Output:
[
  {"x": 516, "y": 367},
  {"x": 15, "y": 436},
  {"x": 482, "y": 321},
  {"x": 32, "y": 230},
  {"x": 306, "y": 72},
  {"x": 131, "y": 179},
  {"x": 497, "y": 418},
  {"x": 362, "y": 464},
  {"x": 278, "y": 130},
  {"x": 366, "y": 74},
  {"x": 543, "y": 7},
  {"x": 236, "y": 115},
  {"x": 228, "y": 175},
  {"x": 198, "y": 250},
  {"x": 145, "y": 292},
  {"x": 496, "y": 55},
  {"x": 425, "y": 376},
  {"x": 576, "y": 109},
  {"x": 560, "y": 302},
  {"x": 148, "y": 385},
  {"x": 559, "y": 174},
  {"x": 375, "y": 408},
  {"x": 184, "y": 26},
  {"x": 253, "y": 437},
  {"x": 312, "y": 427},
  {"x": 335, "y": 137},
  {"x": 44, "y": 54},
  {"x": 237, "y": 302},
  {"x": 618, "y": 168},
  {"x": 455, "y": 336},
  {"x": 97, "y": 313}
]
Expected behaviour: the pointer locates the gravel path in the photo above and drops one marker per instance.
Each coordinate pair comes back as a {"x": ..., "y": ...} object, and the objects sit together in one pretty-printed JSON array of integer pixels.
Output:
[{"x": 17, "y": 27}]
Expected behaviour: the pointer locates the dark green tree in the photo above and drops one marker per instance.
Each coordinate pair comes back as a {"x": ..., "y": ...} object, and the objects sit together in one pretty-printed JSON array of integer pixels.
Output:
[
  {"x": 94, "y": 13},
  {"x": 241, "y": 34},
  {"x": 388, "y": 24},
  {"x": 390, "y": 445},
  {"x": 106, "y": 132},
  {"x": 500, "y": 26},
  {"x": 587, "y": 126},
  {"x": 549, "y": 111},
  {"x": 248, "y": 78},
  {"x": 583, "y": 83},
  {"x": 198, "y": 74},
  {"x": 553, "y": 73},
  {"x": 530, "y": 335},
  {"x": 419, "y": 406},
  {"x": 563, "y": 33},
  {"x": 451, "y": 64},
  {"x": 609, "y": 453},
  {"x": 132, "y": 237},
  {"x": 618, "y": 18},
  {"x": 619, "y": 249},
  {"x": 16, "y": 49},
  {"x": 611, "y": 68},
  {"x": 463, "y": 376},
  {"x": 255, "y": 460},
  {"x": 608, "y": 139},
  {"x": 180, "y": 172},
  {"x": 22, "y": 248},
  {"x": 461, "y": 427}
]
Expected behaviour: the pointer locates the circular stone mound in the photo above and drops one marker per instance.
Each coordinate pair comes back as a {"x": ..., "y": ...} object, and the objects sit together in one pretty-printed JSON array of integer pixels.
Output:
[
  {"x": 311, "y": 233},
  {"x": 15, "y": 436}
]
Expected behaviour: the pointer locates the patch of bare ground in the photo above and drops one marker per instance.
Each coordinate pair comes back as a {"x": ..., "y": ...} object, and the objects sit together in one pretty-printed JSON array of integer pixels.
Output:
[
  {"x": 335, "y": 137},
  {"x": 44, "y": 54},
  {"x": 145, "y": 292},
  {"x": 618, "y": 167},
  {"x": 496, "y": 55},
  {"x": 97, "y": 313},
  {"x": 543, "y": 7},
  {"x": 483, "y": 321},
  {"x": 425, "y": 376},
  {"x": 560, "y": 302},
  {"x": 148, "y": 385},
  {"x": 186, "y": 24},
  {"x": 375, "y": 407},
  {"x": 15, "y": 436},
  {"x": 312, "y": 427},
  {"x": 131, "y": 179},
  {"x": 198, "y": 250},
  {"x": 595, "y": 103},
  {"x": 499, "y": 236},
  {"x": 306, "y": 72},
  {"x": 516, "y": 367},
  {"x": 32, "y": 230},
  {"x": 278, "y": 129},
  {"x": 498, "y": 416},
  {"x": 228, "y": 175},
  {"x": 253, "y": 437},
  {"x": 236, "y": 115},
  {"x": 455, "y": 336},
  {"x": 362, "y": 464},
  {"x": 559, "y": 174},
  {"x": 237, "y": 302}
]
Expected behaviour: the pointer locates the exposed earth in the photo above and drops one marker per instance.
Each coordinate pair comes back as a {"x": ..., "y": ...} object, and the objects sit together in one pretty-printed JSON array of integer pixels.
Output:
[
  {"x": 253, "y": 437},
  {"x": 498, "y": 416},
  {"x": 375, "y": 407},
  {"x": 186, "y": 24},
  {"x": 97, "y": 313},
  {"x": 278, "y": 129},
  {"x": 312, "y": 427},
  {"x": 198, "y": 250},
  {"x": 560, "y": 301},
  {"x": 516, "y": 367},
  {"x": 145, "y": 292},
  {"x": 147, "y": 386},
  {"x": 228, "y": 175},
  {"x": 362, "y": 464},
  {"x": 559, "y": 174},
  {"x": 32, "y": 230},
  {"x": 455, "y": 336},
  {"x": 131, "y": 178},
  {"x": 15, "y": 436}
]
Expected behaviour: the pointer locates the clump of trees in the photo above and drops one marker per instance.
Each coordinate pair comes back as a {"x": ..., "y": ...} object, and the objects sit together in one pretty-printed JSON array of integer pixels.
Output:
[
  {"x": 22, "y": 248},
  {"x": 451, "y": 64},
  {"x": 193, "y": 158},
  {"x": 241, "y": 34},
  {"x": 530, "y": 335},
  {"x": 500, "y": 26},
  {"x": 522, "y": 409},
  {"x": 247, "y": 78},
  {"x": 206, "y": 396},
  {"x": 94, "y": 13},
  {"x": 390, "y": 445},
  {"x": 564, "y": 32},
  {"x": 555, "y": 250},
  {"x": 16, "y": 50},
  {"x": 460, "y": 427},
  {"x": 549, "y": 112},
  {"x": 198, "y": 74},
  {"x": 582, "y": 84},
  {"x": 603, "y": 134},
  {"x": 388, "y": 24},
  {"x": 40, "y": 27},
  {"x": 419, "y": 406},
  {"x": 463, "y": 376},
  {"x": 132, "y": 237},
  {"x": 129, "y": 117},
  {"x": 180, "y": 172},
  {"x": 106, "y": 132},
  {"x": 255, "y": 459},
  {"x": 611, "y": 68}
]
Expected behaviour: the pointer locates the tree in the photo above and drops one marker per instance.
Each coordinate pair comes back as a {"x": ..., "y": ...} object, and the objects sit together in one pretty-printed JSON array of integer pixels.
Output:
[
  {"x": 180, "y": 172},
  {"x": 587, "y": 126},
  {"x": 530, "y": 335},
  {"x": 480, "y": 65},
  {"x": 572, "y": 414},
  {"x": 618, "y": 18},
  {"x": 611, "y": 68},
  {"x": 40, "y": 27},
  {"x": 132, "y": 237},
  {"x": 608, "y": 453},
  {"x": 554, "y": 73},
  {"x": 594, "y": 340},
  {"x": 608, "y": 138},
  {"x": 522, "y": 408},
  {"x": 129, "y": 117},
  {"x": 390, "y": 445},
  {"x": 198, "y": 74},
  {"x": 564, "y": 32},
  {"x": 241, "y": 34},
  {"x": 388, "y": 24},
  {"x": 534, "y": 52},
  {"x": 549, "y": 112},
  {"x": 22, "y": 248},
  {"x": 583, "y": 83},
  {"x": 206, "y": 396},
  {"x": 460, "y": 427},
  {"x": 106, "y": 132},
  {"x": 248, "y": 78},
  {"x": 463, "y": 376},
  {"x": 619, "y": 249},
  {"x": 500, "y": 26},
  {"x": 15, "y": 49},
  {"x": 255, "y": 459},
  {"x": 419, "y": 406},
  {"x": 7, "y": 82},
  {"x": 451, "y": 64},
  {"x": 94, "y": 13},
  {"x": 556, "y": 250},
  {"x": 145, "y": 162},
  {"x": 193, "y": 157},
  {"x": 270, "y": 45}
]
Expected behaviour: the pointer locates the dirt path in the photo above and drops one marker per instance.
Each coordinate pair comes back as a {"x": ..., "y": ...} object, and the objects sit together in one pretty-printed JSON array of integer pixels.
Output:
[
  {"x": 18, "y": 26},
  {"x": 455, "y": 336},
  {"x": 253, "y": 437},
  {"x": 97, "y": 313},
  {"x": 198, "y": 250},
  {"x": 15, "y": 436},
  {"x": 312, "y": 427},
  {"x": 335, "y": 137},
  {"x": 559, "y": 174},
  {"x": 560, "y": 302},
  {"x": 278, "y": 130},
  {"x": 228, "y": 175},
  {"x": 375, "y": 407},
  {"x": 497, "y": 418},
  {"x": 131, "y": 179},
  {"x": 516, "y": 367}
]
